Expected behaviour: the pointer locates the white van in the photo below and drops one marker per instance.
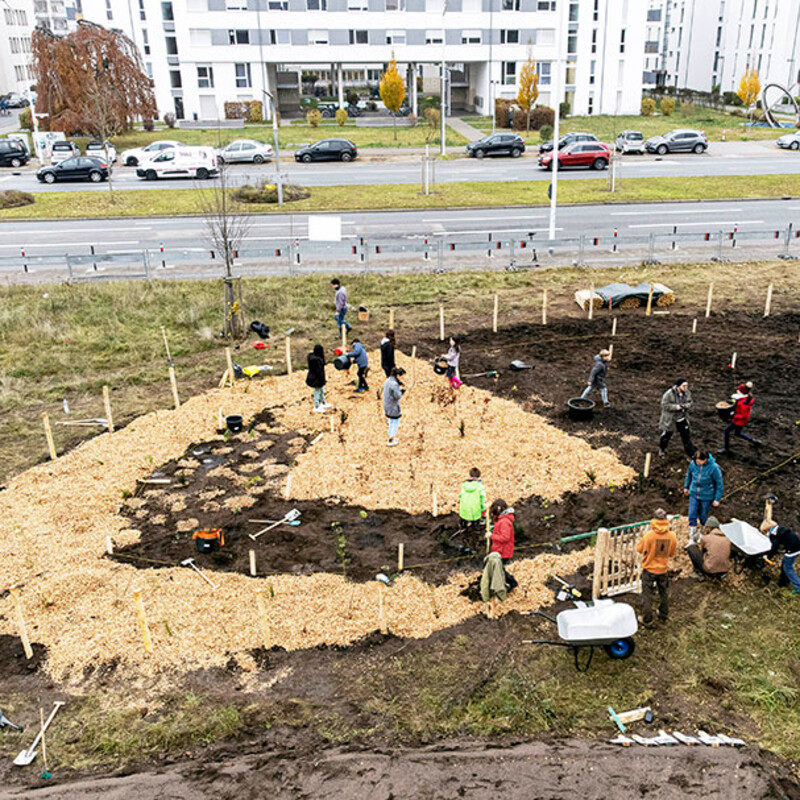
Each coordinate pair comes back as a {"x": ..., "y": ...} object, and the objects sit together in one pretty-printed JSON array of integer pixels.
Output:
[{"x": 180, "y": 162}]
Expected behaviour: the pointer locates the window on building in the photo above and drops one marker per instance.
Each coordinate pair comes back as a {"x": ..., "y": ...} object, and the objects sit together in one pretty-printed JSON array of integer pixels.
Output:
[
  {"x": 572, "y": 44},
  {"x": 654, "y": 15},
  {"x": 395, "y": 37},
  {"x": 19, "y": 72},
  {"x": 317, "y": 37},
  {"x": 278, "y": 5},
  {"x": 172, "y": 45},
  {"x": 596, "y": 11},
  {"x": 546, "y": 5},
  {"x": 175, "y": 79},
  {"x": 357, "y": 5},
  {"x": 236, "y": 5},
  {"x": 510, "y": 5},
  {"x": 509, "y": 73},
  {"x": 149, "y": 69},
  {"x": 573, "y": 11},
  {"x": 592, "y": 70},
  {"x": 433, "y": 37},
  {"x": 280, "y": 37},
  {"x": 243, "y": 78},
  {"x": 205, "y": 76},
  {"x": 145, "y": 42},
  {"x": 8, "y": 15},
  {"x": 317, "y": 5},
  {"x": 142, "y": 14},
  {"x": 763, "y": 34},
  {"x": 752, "y": 32},
  {"x": 569, "y": 75},
  {"x": 470, "y": 37},
  {"x": 543, "y": 70},
  {"x": 167, "y": 13},
  {"x": 622, "y": 40},
  {"x": 395, "y": 5},
  {"x": 373, "y": 74},
  {"x": 109, "y": 11},
  {"x": 178, "y": 103},
  {"x": 594, "y": 40},
  {"x": 359, "y": 37},
  {"x": 239, "y": 36},
  {"x": 509, "y": 37},
  {"x": 590, "y": 106}
]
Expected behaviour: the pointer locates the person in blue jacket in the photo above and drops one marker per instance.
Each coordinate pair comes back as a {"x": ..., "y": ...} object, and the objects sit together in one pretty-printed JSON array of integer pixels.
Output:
[
  {"x": 703, "y": 486},
  {"x": 359, "y": 355}
]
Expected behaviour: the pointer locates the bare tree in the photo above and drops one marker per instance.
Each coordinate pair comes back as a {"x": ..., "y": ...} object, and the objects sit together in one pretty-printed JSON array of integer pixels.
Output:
[
  {"x": 226, "y": 228},
  {"x": 101, "y": 115}
]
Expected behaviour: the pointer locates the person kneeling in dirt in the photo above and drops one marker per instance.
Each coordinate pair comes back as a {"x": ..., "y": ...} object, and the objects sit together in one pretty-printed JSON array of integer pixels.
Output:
[
  {"x": 712, "y": 557},
  {"x": 675, "y": 405},
  {"x": 503, "y": 536},
  {"x": 359, "y": 355},
  {"x": 316, "y": 378},
  {"x": 597, "y": 377},
  {"x": 657, "y": 546},
  {"x": 704, "y": 488},
  {"x": 472, "y": 507},
  {"x": 787, "y": 540}
]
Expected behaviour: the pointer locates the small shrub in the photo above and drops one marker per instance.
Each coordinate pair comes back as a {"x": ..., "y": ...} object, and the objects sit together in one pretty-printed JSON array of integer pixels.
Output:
[
  {"x": 169, "y": 119},
  {"x": 372, "y": 106},
  {"x": 542, "y": 115},
  {"x": 667, "y": 106},
  {"x": 737, "y": 112},
  {"x": 148, "y": 125},
  {"x": 314, "y": 117},
  {"x": 412, "y": 120},
  {"x": 687, "y": 109},
  {"x": 501, "y": 111},
  {"x": 648, "y": 106},
  {"x": 432, "y": 119},
  {"x": 352, "y": 97},
  {"x": 235, "y": 109},
  {"x": 546, "y": 132},
  {"x": 256, "y": 111},
  {"x": 25, "y": 119},
  {"x": 565, "y": 109},
  {"x": 267, "y": 193},
  {"x": 341, "y": 116},
  {"x": 14, "y": 199},
  {"x": 731, "y": 99},
  {"x": 520, "y": 120}
]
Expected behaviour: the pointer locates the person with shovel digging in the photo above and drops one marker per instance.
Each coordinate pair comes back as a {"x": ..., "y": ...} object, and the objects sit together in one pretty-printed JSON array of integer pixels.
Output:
[{"x": 597, "y": 377}]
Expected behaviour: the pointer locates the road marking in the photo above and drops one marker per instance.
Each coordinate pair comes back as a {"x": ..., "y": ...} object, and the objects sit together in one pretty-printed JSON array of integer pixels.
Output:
[
  {"x": 692, "y": 224},
  {"x": 682, "y": 211},
  {"x": 63, "y": 246},
  {"x": 462, "y": 219},
  {"x": 520, "y": 231}
]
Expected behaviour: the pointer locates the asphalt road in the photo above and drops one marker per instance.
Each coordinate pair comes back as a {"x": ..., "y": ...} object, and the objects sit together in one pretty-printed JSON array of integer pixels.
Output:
[
  {"x": 188, "y": 234},
  {"x": 408, "y": 169}
]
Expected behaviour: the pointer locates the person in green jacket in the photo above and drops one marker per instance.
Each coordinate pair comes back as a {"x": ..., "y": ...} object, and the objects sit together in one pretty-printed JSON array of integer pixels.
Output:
[{"x": 472, "y": 504}]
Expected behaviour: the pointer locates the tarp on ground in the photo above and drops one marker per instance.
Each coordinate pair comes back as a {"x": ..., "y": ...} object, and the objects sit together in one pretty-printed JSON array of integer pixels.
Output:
[{"x": 614, "y": 293}]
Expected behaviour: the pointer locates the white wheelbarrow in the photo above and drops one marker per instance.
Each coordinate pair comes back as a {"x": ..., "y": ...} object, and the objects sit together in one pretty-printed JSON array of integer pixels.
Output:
[
  {"x": 749, "y": 545},
  {"x": 604, "y": 623}
]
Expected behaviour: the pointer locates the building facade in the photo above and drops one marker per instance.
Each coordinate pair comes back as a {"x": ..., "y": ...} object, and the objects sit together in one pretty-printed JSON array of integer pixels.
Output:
[{"x": 203, "y": 53}]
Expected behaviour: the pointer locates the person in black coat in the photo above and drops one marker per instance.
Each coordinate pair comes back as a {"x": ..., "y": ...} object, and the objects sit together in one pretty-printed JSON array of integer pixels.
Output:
[
  {"x": 316, "y": 378},
  {"x": 787, "y": 540},
  {"x": 387, "y": 353}
]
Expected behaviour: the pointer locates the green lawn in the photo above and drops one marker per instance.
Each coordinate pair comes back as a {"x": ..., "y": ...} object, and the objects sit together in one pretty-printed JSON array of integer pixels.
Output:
[
  {"x": 607, "y": 127},
  {"x": 292, "y": 136},
  {"x": 158, "y": 202}
]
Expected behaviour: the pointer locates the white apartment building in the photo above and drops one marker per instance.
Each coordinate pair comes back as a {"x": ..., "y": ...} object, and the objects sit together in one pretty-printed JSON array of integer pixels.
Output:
[
  {"x": 699, "y": 44},
  {"x": 202, "y": 53}
]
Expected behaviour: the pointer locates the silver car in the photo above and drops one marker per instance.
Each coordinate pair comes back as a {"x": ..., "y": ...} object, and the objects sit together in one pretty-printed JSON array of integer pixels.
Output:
[
  {"x": 790, "y": 141},
  {"x": 245, "y": 151},
  {"x": 630, "y": 142}
]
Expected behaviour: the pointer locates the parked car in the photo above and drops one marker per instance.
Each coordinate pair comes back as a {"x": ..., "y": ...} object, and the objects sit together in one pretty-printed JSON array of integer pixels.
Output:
[
  {"x": 789, "y": 141},
  {"x": 630, "y": 142},
  {"x": 14, "y": 100},
  {"x": 60, "y": 151},
  {"x": 245, "y": 150},
  {"x": 327, "y": 150},
  {"x": 593, "y": 155},
  {"x": 132, "y": 157},
  {"x": 99, "y": 149},
  {"x": 327, "y": 109},
  {"x": 180, "y": 162},
  {"x": 677, "y": 141},
  {"x": 498, "y": 144},
  {"x": 13, "y": 153},
  {"x": 81, "y": 168},
  {"x": 568, "y": 139}
]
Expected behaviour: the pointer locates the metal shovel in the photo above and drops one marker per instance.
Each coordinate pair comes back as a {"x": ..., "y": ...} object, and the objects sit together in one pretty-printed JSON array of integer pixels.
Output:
[
  {"x": 5, "y": 722},
  {"x": 518, "y": 366},
  {"x": 26, "y": 756},
  {"x": 291, "y": 516}
]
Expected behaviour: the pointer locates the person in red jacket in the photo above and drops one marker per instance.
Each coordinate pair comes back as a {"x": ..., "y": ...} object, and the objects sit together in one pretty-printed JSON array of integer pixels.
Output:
[
  {"x": 503, "y": 536},
  {"x": 743, "y": 405}
]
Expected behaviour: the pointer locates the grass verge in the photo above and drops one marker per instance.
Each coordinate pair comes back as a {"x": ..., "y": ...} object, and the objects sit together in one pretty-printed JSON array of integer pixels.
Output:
[{"x": 473, "y": 194}]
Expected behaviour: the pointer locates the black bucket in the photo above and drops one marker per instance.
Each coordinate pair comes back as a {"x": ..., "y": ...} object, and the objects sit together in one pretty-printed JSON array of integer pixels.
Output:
[
  {"x": 341, "y": 362},
  {"x": 725, "y": 410},
  {"x": 235, "y": 422},
  {"x": 580, "y": 409},
  {"x": 206, "y": 545},
  {"x": 440, "y": 366}
]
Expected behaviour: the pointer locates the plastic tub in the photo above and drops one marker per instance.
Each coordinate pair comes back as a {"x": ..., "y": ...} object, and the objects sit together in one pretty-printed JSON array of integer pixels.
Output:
[
  {"x": 235, "y": 422},
  {"x": 725, "y": 410},
  {"x": 341, "y": 362},
  {"x": 580, "y": 409}
]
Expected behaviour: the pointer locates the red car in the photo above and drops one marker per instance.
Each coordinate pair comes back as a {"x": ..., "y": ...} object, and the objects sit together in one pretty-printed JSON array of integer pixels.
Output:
[{"x": 593, "y": 155}]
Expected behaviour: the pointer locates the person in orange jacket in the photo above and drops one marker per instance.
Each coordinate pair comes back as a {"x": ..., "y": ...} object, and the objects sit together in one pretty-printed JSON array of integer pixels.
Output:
[
  {"x": 657, "y": 546},
  {"x": 503, "y": 536}
]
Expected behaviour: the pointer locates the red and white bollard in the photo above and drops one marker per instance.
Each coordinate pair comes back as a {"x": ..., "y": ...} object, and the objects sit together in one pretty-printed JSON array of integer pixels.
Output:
[
  {"x": 614, "y": 245},
  {"x": 163, "y": 259},
  {"x": 24, "y": 259}
]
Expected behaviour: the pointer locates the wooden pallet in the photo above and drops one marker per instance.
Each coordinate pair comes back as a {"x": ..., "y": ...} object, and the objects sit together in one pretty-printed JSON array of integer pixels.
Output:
[{"x": 617, "y": 565}]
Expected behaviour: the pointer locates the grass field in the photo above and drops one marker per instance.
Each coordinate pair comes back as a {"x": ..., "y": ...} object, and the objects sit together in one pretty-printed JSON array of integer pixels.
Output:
[
  {"x": 170, "y": 202},
  {"x": 607, "y": 127}
]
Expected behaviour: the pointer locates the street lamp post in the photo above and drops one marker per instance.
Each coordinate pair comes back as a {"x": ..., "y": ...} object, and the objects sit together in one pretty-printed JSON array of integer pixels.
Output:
[
  {"x": 559, "y": 76},
  {"x": 278, "y": 178},
  {"x": 442, "y": 148}
]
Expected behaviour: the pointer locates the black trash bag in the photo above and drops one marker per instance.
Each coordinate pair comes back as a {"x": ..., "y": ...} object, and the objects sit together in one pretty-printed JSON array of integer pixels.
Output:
[
  {"x": 238, "y": 372},
  {"x": 260, "y": 329}
]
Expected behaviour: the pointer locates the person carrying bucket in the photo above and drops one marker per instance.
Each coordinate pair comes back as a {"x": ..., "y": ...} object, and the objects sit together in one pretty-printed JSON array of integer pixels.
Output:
[
  {"x": 359, "y": 355},
  {"x": 597, "y": 377},
  {"x": 743, "y": 401},
  {"x": 704, "y": 487},
  {"x": 452, "y": 357}
]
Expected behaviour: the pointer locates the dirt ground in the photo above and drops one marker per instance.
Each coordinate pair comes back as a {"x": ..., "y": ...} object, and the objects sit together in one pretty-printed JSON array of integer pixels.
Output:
[
  {"x": 530, "y": 771},
  {"x": 649, "y": 355}
]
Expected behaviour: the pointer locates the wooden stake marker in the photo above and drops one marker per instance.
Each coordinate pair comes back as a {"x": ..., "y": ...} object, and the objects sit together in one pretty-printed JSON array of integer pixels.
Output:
[
  {"x": 344, "y": 338},
  {"x": 400, "y": 556},
  {"x": 494, "y": 315},
  {"x": 107, "y": 405},
  {"x": 266, "y": 632},
  {"x": 413, "y": 365},
  {"x": 611, "y": 350},
  {"x": 253, "y": 563},
  {"x": 391, "y": 319},
  {"x": 591, "y": 301},
  {"x": 174, "y": 385},
  {"x": 768, "y": 511},
  {"x": 647, "y": 458},
  {"x": 288, "y": 355},
  {"x": 109, "y": 545},
  {"x": 694, "y": 325},
  {"x": 708, "y": 300},
  {"x": 441, "y": 323},
  {"x": 381, "y": 611},
  {"x": 733, "y": 361},
  {"x": 649, "y": 310},
  {"x": 434, "y": 503},
  {"x": 332, "y": 428},
  {"x": 231, "y": 373},
  {"x": 23, "y": 630},
  {"x": 51, "y": 445},
  {"x": 614, "y": 326},
  {"x": 768, "y": 304},
  {"x": 148, "y": 642}
]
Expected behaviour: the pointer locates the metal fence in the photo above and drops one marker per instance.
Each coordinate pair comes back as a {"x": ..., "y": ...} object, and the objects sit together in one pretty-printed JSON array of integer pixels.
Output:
[{"x": 420, "y": 253}]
